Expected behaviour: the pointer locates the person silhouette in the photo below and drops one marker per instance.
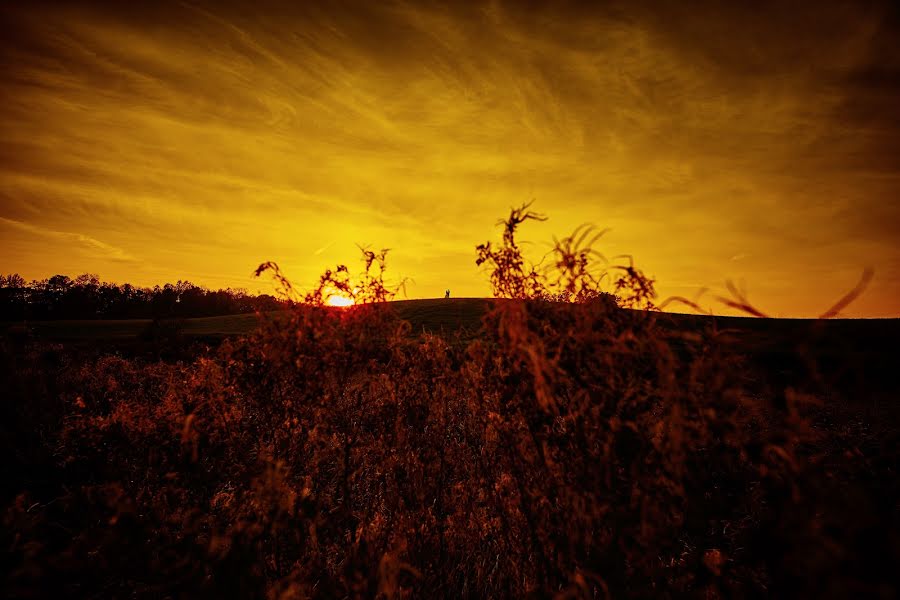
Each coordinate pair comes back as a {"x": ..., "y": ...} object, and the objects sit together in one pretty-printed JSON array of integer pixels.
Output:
[{"x": 447, "y": 294}]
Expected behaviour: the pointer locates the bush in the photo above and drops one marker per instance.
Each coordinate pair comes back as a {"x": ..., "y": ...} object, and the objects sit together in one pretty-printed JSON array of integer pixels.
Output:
[{"x": 574, "y": 449}]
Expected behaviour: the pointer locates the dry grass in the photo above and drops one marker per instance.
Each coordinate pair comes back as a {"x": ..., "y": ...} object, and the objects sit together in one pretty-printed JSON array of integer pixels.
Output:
[{"x": 571, "y": 449}]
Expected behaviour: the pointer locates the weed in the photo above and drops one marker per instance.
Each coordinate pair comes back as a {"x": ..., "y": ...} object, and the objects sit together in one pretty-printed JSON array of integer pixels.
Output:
[{"x": 574, "y": 448}]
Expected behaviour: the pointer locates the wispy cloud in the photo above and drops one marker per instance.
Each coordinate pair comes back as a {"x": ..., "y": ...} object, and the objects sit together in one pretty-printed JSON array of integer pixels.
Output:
[
  {"x": 85, "y": 242},
  {"x": 319, "y": 251}
]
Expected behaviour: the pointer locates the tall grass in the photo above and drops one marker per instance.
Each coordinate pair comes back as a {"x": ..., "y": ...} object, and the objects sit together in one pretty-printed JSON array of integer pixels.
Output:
[{"x": 574, "y": 449}]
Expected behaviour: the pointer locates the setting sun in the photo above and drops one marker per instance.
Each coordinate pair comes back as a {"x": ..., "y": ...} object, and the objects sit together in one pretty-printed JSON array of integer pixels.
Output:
[{"x": 341, "y": 301}]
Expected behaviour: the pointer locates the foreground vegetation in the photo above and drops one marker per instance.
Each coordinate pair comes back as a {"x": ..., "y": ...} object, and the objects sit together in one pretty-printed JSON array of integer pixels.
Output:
[{"x": 570, "y": 449}]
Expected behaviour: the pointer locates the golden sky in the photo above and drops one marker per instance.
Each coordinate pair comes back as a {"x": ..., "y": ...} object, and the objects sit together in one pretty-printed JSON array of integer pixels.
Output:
[{"x": 194, "y": 140}]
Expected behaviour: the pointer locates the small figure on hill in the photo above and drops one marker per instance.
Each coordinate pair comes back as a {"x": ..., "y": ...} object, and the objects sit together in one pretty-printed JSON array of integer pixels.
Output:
[{"x": 447, "y": 294}]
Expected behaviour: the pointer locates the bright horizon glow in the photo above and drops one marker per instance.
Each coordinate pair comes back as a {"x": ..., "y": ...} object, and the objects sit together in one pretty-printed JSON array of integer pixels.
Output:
[{"x": 340, "y": 301}]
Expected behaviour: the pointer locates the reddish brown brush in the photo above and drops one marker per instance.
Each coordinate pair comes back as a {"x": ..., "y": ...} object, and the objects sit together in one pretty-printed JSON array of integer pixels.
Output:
[{"x": 574, "y": 449}]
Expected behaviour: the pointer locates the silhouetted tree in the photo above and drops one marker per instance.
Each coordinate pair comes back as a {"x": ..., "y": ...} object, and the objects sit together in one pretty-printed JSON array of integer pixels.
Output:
[{"x": 87, "y": 297}]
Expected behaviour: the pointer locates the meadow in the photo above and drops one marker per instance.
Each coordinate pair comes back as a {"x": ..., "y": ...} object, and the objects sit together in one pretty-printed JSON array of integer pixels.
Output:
[{"x": 564, "y": 440}]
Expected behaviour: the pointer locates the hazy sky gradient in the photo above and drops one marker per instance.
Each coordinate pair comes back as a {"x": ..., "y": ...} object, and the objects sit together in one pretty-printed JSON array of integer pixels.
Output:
[{"x": 195, "y": 140}]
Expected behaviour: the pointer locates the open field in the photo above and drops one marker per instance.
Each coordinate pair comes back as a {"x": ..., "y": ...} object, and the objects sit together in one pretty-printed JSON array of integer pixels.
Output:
[
  {"x": 866, "y": 350},
  {"x": 125, "y": 329},
  {"x": 451, "y": 315},
  {"x": 431, "y": 315}
]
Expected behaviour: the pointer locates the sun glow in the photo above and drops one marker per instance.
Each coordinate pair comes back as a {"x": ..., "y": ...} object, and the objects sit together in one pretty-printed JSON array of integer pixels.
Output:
[{"x": 340, "y": 301}]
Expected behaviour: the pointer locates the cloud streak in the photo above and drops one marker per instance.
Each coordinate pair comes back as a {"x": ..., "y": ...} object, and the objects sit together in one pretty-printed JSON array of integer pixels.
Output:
[{"x": 85, "y": 242}]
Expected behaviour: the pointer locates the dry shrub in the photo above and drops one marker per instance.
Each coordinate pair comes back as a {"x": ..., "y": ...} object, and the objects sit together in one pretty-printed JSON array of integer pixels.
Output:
[{"x": 574, "y": 449}]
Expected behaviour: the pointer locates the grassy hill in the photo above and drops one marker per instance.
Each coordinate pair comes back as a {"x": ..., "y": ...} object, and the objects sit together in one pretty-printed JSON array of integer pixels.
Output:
[
  {"x": 860, "y": 351},
  {"x": 433, "y": 315},
  {"x": 451, "y": 315}
]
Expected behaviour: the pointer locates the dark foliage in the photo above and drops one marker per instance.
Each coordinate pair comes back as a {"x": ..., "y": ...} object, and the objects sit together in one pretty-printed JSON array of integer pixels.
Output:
[
  {"x": 573, "y": 449},
  {"x": 86, "y": 297}
]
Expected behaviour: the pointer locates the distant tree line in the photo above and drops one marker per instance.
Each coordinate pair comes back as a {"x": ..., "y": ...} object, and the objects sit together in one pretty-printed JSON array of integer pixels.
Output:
[{"x": 86, "y": 297}]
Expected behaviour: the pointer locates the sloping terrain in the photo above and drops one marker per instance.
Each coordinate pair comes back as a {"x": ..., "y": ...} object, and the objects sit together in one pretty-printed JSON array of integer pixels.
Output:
[{"x": 857, "y": 354}]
